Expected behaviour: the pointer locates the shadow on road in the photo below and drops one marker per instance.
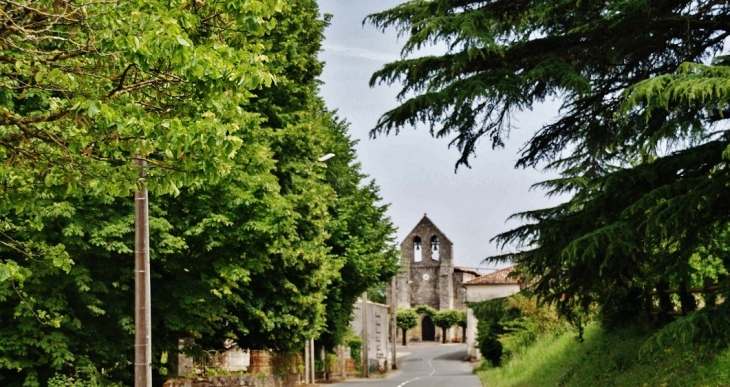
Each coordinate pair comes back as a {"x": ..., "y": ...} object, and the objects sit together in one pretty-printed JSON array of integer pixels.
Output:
[{"x": 455, "y": 355}]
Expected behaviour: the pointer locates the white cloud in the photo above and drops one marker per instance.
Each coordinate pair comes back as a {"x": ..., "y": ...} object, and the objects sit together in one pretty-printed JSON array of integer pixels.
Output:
[{"x": 360, "y": 52}]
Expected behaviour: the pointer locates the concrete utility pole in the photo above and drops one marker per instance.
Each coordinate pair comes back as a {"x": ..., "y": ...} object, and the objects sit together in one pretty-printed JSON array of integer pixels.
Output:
[
  {"x": 393, "y": 325},
  {"x": 142, "y": 315},
  {"x": 306, "y": 362},
  {"x": 365, "y": 360},
  {"x": 311, "y": 360}
]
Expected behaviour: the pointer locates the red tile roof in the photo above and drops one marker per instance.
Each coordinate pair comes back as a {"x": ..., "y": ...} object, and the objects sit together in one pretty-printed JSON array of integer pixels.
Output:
[{"x": 499, "y": 277}]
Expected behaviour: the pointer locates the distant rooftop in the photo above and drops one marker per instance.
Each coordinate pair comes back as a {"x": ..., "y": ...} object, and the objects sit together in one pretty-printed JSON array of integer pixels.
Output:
[{"x": 499, "y": 277}]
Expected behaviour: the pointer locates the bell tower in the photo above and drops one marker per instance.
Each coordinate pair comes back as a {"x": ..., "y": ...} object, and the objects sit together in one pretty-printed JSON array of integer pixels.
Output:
[{"x": 428, "y": 267}]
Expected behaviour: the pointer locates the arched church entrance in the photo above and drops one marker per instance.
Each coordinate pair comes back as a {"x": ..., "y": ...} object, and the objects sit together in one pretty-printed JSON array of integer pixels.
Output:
[{"x": 428, "y": 330}]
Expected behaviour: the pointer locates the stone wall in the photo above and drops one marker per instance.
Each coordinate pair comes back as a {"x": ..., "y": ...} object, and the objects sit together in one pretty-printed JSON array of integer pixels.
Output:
[
  {"x": 425, "y": 286},
  {"x": 459, "y": 289},
  {"x": 236, "y": 381}
]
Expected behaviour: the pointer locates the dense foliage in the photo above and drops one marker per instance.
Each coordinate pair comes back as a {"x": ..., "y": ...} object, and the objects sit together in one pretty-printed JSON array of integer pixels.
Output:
[
  {"x": 641, "y": 141},
  {"x": 252, "y": 238},
  {"x": 509, "y": 325}
]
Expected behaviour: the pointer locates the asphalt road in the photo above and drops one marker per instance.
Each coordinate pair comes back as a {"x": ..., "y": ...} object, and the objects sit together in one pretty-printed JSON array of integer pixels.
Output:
[{"x": 425, "y": 365}]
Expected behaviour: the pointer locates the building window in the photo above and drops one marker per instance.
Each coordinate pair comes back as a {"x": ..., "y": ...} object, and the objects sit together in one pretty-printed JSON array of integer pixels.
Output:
[
  {"x": 435, "y": 248},
  {"x": 417, "y": 249}
]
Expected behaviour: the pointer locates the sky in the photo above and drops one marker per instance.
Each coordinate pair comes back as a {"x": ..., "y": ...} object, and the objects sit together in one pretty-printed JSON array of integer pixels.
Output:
[{"x": 414, "y": 171}]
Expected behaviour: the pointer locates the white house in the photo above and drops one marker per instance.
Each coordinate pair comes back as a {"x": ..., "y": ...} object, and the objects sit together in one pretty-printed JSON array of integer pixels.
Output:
[{"x": 494, "y": 285}]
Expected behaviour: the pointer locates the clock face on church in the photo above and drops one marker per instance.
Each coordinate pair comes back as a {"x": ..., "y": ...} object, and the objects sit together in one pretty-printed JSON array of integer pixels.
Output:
[{"x": 425, "y": 277}]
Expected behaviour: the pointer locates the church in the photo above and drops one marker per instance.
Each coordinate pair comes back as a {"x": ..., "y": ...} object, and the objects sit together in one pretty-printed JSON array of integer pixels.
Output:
[{"x": 428, "y": 277}]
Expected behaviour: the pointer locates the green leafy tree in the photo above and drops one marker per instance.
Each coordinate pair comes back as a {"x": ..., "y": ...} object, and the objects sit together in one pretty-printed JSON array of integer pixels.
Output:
[
  {"x": 243, "y": 250},
  {"x": 446, "y": 319},
  {"x": 359, "y": 235},
  {"x": 406, "y": 319},
  {"x": 462, "y": 324},
  {"x": 85, "y": 89}
]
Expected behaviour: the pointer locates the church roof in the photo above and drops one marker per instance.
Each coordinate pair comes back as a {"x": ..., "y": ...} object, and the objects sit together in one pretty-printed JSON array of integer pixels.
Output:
[
  {"x": 499, "y": 277},
  {"x": 425, "y": 221},
  {"x": 465, "y": 270}
]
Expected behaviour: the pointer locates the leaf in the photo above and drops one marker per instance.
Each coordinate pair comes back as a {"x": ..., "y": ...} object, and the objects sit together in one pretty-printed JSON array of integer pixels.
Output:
[
  {"x": 94, "y": 108},
  {"x": 182, "y": 41}
]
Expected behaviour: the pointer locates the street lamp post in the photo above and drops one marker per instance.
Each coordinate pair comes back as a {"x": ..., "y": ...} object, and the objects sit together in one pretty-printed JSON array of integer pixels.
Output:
[{"x": 309, "y": 344}]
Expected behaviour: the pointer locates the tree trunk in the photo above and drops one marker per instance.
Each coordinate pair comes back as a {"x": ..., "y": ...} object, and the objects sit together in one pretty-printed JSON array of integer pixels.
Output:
[
  {"x": 404, "y": 337},
  {"x": 443, "y": 335},
  {"x": 665, "y": 303},
  {"x": 710, "y": 296},
  {"x": 687, "y": 300}
]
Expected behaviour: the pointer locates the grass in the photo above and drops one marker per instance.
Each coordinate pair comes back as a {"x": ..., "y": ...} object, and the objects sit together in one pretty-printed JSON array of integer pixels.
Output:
[{"x": 607, "y": 359}]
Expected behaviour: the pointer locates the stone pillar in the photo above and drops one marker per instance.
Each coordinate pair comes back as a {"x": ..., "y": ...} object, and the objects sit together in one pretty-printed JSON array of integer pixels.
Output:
[
  {"x": 183, "y": 364},
  {"x": 403, "y": 288},
  {"x": 471, "y": 334}
]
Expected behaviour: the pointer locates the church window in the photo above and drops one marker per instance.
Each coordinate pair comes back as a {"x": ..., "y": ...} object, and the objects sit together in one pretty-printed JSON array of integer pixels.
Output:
[
  {"x": 435, "y": 248},
  {"x": 417, "y": 250}
]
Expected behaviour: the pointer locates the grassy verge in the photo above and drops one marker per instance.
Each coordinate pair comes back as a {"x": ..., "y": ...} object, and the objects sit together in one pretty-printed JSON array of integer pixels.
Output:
[{"x": 607, "y": 359}]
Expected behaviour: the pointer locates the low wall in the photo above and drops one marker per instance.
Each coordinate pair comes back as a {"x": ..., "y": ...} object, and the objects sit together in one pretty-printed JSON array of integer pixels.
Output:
[{"x": 290, "y": 380}]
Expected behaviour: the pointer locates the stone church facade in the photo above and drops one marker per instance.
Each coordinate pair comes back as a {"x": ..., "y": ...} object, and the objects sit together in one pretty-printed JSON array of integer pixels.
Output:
[{"x": 428, "y": 277}]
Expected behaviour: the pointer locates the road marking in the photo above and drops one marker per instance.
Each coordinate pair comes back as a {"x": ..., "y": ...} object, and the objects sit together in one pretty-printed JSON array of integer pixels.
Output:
[
  {"x": 408, "y": 381},
  {"x": 433, "y": 371}
]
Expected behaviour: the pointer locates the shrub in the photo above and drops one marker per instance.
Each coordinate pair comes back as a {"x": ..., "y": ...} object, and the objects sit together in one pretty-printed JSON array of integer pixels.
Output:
[
  {"x": 508, "y": 325},
  {"x": 489, "y": 345},
  {"x": 330, "y": 360},
  {"x": 354, "y": 342},
  {"x": 85, "y": 376}
]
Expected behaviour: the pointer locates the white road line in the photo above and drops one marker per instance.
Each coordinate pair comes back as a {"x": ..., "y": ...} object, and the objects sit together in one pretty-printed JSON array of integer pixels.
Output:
[
  {"x": 408, "y": 381},
  {"x": 433, "y": 371}
]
